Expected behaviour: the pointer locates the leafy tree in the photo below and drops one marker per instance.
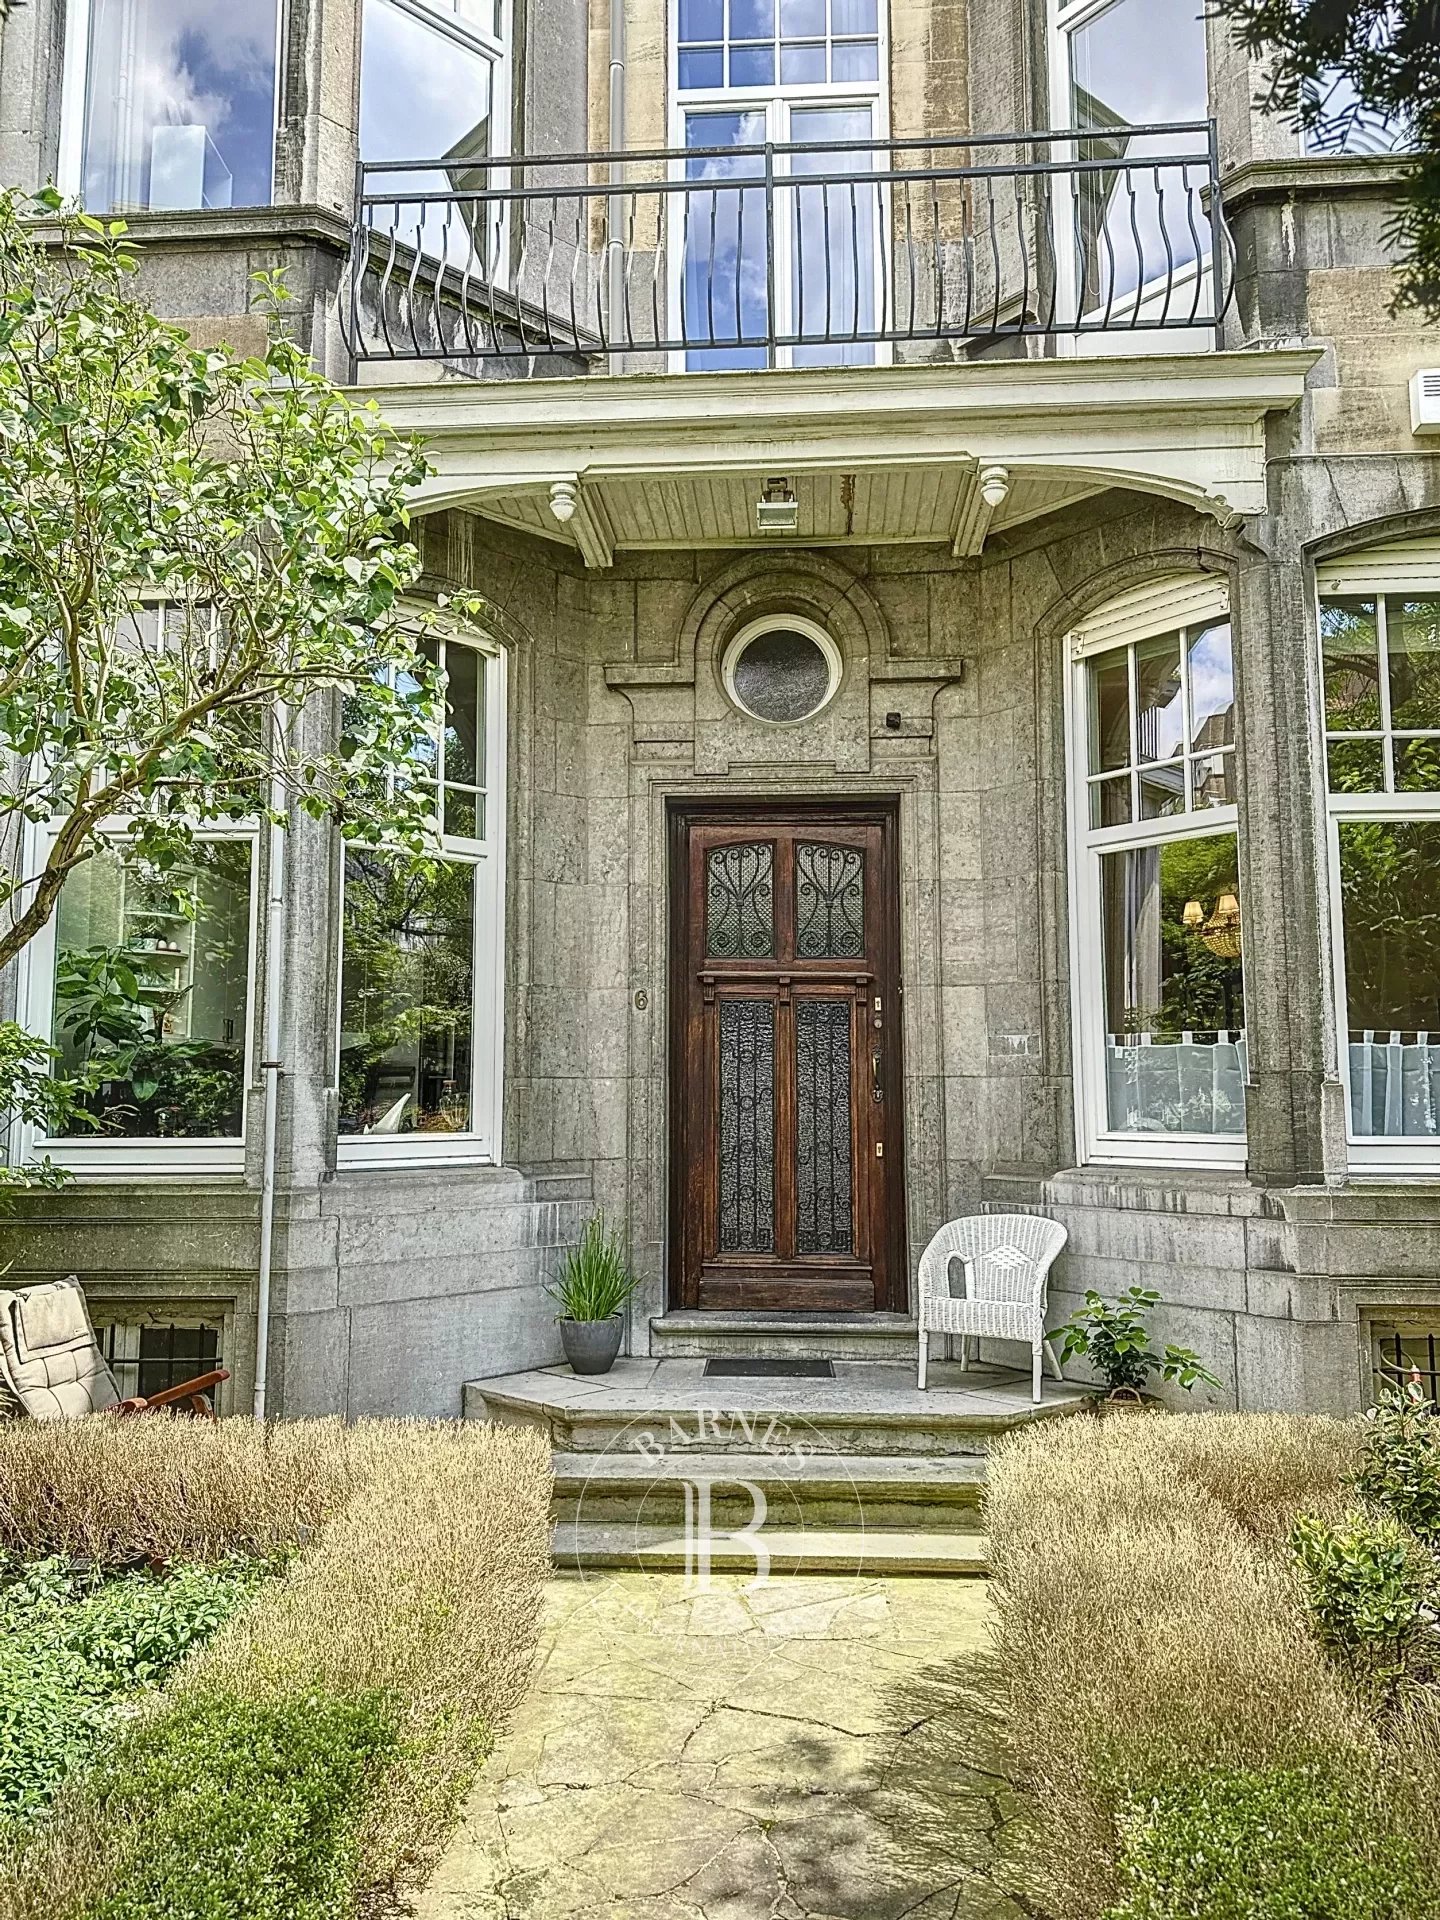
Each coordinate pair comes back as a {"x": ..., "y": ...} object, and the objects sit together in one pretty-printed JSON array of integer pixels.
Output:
[
  {"x": 1335, "y": 63},
  {"x": 193, "y": 545}
]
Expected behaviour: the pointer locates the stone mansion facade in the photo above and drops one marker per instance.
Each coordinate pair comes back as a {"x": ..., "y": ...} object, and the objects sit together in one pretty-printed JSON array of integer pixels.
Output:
[{"x": 959, "y": 721}]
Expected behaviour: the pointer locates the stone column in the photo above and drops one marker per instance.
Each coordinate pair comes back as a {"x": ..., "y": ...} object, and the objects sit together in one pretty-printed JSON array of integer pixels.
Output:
[{"x": 1287, "y": 1000}]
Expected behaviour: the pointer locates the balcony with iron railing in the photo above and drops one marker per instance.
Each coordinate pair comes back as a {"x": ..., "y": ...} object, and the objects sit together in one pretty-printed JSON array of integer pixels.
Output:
[{"x": 809, "y": 254}]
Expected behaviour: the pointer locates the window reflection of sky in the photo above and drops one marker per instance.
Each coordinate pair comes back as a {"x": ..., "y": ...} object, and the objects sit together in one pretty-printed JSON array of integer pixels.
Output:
[
  {"x": 725, "y": 292},
  {"x": 186, "y": 63},
  {"x": 1212, "y": 687},
  {"x": 1139, "y": 63},
  {"x": 421, "y": 91}
]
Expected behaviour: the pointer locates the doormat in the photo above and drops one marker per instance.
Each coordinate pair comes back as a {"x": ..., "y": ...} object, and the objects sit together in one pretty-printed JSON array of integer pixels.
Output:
[{"x": 754, "y": 1367}]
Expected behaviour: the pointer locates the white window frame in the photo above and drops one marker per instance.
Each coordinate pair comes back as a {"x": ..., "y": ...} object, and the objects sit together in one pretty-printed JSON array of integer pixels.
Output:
[
  {"x": 108, "y": 1156},
  {"x": 777, "y": 103},
  {"x": 1405, "y": 569},
  {"x": 1150, "y": 612},
  {"x": 74, "y": 93},
  {"x": 481, "y": 1144},
  {"x": 1064, "y": 17}
]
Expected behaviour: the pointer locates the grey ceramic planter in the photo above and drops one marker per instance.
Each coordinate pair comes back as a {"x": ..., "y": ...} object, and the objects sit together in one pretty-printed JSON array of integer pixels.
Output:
[{"x": 591, "y": 1345}]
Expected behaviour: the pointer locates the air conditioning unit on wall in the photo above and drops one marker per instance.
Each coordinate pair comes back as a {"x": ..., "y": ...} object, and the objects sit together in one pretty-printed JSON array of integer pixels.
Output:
[{"x": 1425, "y": 401}]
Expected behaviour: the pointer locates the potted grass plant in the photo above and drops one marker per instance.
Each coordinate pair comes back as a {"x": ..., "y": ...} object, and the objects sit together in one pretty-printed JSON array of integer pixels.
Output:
[{"x": 592, "y": 1290}]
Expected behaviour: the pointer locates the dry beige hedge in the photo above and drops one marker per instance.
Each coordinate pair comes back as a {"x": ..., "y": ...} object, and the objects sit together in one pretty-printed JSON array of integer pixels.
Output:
[
  {"x": 428, "y": 1549},
  {"x": 1144, "y": 1608},
  {"x": 171, "y": 1489}
]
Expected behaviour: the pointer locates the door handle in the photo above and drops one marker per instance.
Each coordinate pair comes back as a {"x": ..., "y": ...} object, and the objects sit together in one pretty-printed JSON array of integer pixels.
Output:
[{"x": 877, "y": 1088}]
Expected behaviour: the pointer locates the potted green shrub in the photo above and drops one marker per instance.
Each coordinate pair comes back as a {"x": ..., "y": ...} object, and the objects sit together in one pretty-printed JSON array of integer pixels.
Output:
[
  {"x": 592, "y": 1290},
  {"x": 1113, "y": 1337}
]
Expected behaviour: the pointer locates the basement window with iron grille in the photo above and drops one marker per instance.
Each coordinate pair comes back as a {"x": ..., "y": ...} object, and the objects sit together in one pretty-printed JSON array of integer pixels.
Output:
[
  {"x": 146, "y": 1358},
  {"x": 1405, "y": 1356}
]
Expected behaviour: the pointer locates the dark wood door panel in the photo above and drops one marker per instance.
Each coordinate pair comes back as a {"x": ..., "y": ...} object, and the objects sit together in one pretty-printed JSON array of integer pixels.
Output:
[{"x": 785, "y": 1066}]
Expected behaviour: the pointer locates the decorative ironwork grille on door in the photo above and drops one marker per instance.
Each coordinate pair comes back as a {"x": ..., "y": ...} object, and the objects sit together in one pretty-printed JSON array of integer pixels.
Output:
[
  {"x": 824, "y": 1215},
  {"x": 740, "y": 902},
  {"x": 829, "y": 902},
  {"x": 747, "y": 1126}
]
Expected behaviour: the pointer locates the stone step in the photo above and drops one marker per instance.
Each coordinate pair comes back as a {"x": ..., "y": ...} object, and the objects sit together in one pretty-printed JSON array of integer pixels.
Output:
[
  {"x": 660, "y": 1550},
  {"x": 872, "y": 1409},
  {"x": 923, "y": 1494},
  {"x": 833, "y": 1336}
]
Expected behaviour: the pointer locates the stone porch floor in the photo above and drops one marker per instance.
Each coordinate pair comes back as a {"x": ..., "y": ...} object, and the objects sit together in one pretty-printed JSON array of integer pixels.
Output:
[
  {"x": 985, "y": 1396},
  {"x": 809, "y": 1749}
]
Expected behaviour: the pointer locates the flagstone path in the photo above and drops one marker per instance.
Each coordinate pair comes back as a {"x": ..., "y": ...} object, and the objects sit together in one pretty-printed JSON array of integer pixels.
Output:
[{"x": 810, "y": 1749}]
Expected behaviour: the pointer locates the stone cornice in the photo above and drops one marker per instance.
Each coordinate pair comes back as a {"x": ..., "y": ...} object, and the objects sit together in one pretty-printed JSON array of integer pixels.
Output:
[
  {"x": 1320, "y": 177},
  {"x": 235, "y": 227}
]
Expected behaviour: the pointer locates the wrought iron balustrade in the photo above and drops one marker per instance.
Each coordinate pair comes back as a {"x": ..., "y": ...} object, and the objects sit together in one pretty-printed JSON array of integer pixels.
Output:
[{"x": 792, "y": 255}]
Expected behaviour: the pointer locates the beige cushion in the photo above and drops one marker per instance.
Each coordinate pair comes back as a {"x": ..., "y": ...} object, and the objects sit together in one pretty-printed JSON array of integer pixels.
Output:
[{"x": 50, "y": 1360}]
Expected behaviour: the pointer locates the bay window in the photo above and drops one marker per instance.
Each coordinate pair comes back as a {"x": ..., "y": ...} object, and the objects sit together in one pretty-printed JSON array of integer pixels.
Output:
[
  {"x": 1380, "y": 650},
  {"x": 422, "y": 963},
  {"x": 170, "y": 104},
  {"x": 1158, "y": 912},
  {"x": 144, "y": 982}
]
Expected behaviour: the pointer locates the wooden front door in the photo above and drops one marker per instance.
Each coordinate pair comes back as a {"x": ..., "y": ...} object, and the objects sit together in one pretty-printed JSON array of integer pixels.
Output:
[{"x": 786, "y": 1178}]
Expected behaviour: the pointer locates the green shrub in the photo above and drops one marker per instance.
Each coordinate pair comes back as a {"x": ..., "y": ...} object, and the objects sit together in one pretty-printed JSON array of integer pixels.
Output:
[
  {"x": 1400, "y": 1465},
  {"x": 240, "y": 1812},
  {"x": 1365, "y": 1584},
  {"x": 73, "y": 1645},
  {"x": 1305, "y": 1842}
]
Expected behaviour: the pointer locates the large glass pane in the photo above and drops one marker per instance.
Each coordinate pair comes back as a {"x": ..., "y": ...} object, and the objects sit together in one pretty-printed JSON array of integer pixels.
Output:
[
  {"x": 1211, "y": 668},
  {"x": 701, "y": 20},
  {"x": 180, "y": 104},
  {"x": 1350, "y": 127},
  {"x": 407, "y": 990},
  {"x": 1139, "y": 63},
  {"x": 424, "y": 93},
  {"x": 1110, "y": 712},
  {"x": 152, "y": 981},
  {"x": 1159, "y": 715},
  {"x": 1412, "y": 634},
  {"x": 723, "y": 291},
  {"x": 834, "y": 273},
  {"x": 1350, "y": 646},
  {"x": 1390, "y": 905},
  {"x": 1174, "y": 995},
  {"x": 464, "y": 716},
  {"x": 1162, "y": 791}
]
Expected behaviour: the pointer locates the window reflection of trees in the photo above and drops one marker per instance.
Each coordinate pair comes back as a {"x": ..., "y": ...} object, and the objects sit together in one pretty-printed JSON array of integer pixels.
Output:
[{"x": 407, "y": 992}]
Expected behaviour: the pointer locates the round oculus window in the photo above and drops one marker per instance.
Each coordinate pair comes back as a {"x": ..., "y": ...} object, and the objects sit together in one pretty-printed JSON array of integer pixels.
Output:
[{"x": 782, "y": 673}]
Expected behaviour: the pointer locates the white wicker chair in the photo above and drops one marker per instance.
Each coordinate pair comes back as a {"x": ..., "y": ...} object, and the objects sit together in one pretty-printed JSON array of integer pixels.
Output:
[{"x": 1007, "y": 1259}]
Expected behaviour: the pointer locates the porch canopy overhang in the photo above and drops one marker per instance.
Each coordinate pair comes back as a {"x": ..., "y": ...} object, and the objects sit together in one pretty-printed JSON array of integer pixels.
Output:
[{"x": 873, "y": 456}]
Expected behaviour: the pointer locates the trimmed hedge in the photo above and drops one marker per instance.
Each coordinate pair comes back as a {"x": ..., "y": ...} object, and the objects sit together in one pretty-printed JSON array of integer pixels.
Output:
[
  {"x": 239, "y": 1812},
  {"x": 1188, "y": 1743},
  {"x": 1279, "y": 1843},
  {"x": 310, "y": 1759}
]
